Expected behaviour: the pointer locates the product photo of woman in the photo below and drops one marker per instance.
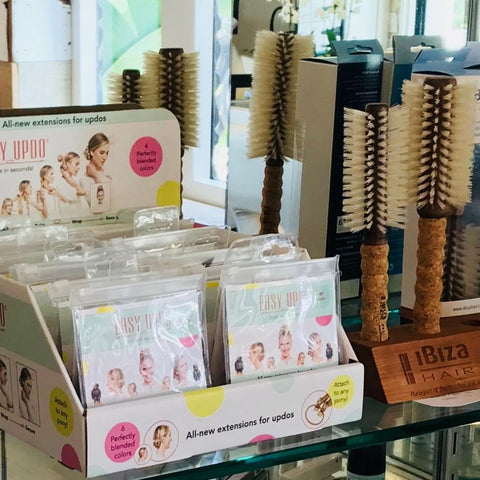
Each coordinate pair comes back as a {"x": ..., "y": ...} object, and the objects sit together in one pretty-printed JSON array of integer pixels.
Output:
[
  {"x": 100, "y": 198},
  {"x": 96, "y": 153},
  {"x": 285, "y": 347},
  {"x": 315, "y": 351},
  {"x": 69, "y": 187},
  {"x": 5, "y": 390},
  {"x": 162, "y": 439},
  {"x": 24, "y": 202},
  {"x": 115, "y": 383},
  {"x": 7, "y": 207},
  {"x": 48, "y": 197},
  {"x": 27, "y": 404},
  {"x": 147, "y": 372},
  {"x": 256, "y": 354},
  {"x": 180, "y": 372}
]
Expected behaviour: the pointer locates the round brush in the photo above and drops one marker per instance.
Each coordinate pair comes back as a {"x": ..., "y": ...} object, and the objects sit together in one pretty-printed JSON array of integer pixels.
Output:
[
  {"x": 171, "y": 82},
  {"x": 124, "y": 88},
  {"x": 374, "y": 197},
  {"x": 442, "y": 144},
  {"x": 272, "y": 113}
]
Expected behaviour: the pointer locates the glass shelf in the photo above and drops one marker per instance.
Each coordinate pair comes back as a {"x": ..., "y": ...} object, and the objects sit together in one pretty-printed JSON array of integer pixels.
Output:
[{"x": 380, "y": 423}]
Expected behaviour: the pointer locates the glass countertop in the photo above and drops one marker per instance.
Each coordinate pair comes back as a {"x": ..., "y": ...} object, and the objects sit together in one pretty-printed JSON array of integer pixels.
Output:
[{"x": 380, "y": 423}]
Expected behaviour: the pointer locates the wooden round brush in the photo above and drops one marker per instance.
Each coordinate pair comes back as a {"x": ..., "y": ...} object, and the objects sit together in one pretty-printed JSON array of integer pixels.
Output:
[
  {"x": 171, "y": 82},
  {"x": 272, "y": 113},
  {"x": 442, "y": 117},
  {"x": 374, "y": 198},
  {"x": 124, "y": 88}
]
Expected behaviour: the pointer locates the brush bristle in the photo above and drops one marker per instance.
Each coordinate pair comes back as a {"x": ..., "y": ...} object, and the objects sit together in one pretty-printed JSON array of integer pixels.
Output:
[
  {"x": 365, "y": 169},
  {"x": 274, "y": 81},
  {"x": 124, "y": 88},
  {"x": 443, "y": 142},
  {"x": 402, "y": 168},
  {"x": 171, "y": 81}
]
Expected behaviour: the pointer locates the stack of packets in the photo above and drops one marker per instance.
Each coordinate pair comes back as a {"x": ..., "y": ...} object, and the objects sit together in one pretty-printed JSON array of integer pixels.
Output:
[{"x": 142, "y": 315}]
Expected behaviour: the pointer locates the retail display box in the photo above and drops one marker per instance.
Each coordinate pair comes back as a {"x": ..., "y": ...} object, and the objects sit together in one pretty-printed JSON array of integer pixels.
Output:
[
  {"x": 111, "y": 438},
  {"x": 38, "y": 401},
  {"x": 398, "y": 66},
  {"x": 325, "y": 86}
]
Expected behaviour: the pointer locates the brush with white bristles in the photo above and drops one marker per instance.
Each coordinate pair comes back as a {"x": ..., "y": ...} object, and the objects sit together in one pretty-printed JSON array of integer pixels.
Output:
[
  {"x": 170, "y": 81},
  {"x": 441, "y": 121},
  {"x": 271, "y": 129},
  {"x": 124, "y": 88},
  {"x": 377, "y": 182}
]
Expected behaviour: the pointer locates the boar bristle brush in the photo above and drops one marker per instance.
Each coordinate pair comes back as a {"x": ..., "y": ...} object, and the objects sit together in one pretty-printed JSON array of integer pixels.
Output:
[
  {"x": 375, "y": 194},
  {"x": 271, "y": 129},
  {"x": 124, "y": 88},
  {"x": 442, "y": 117},
  {"x": 171, "y": 82}
]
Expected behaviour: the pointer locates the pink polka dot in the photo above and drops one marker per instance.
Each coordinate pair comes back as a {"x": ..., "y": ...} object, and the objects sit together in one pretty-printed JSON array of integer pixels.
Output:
[
  {"x": 324, "y": 320},
  {"x": 189, "y": 342},
  {"x": 70, "y": 458},
  {"x": 261, "y": 438},
  {"x": 121, "y": 442},
  {"x": 146, "y": 156}
]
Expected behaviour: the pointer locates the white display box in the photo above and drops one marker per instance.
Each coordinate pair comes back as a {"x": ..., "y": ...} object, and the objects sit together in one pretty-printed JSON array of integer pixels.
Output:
[{"x": 107, "y": 439}]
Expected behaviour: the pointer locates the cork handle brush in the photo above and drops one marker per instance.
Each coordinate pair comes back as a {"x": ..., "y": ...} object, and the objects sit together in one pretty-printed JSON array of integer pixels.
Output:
[
  {"x": 365, "y": 205},
  {"x": 442, "y": 112},
  {"x": 171, "y": 82},
  {"x": 272, "y": 113},
  {"x": 375, "y": 192}
]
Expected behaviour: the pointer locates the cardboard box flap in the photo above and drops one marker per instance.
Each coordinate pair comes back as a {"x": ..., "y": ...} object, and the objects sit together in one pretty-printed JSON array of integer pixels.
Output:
[
  {"x": 441, "y": 61},
  {"x": 356, "y": 51},
  {"x": 473, "y": 58},
  {"x": 406, "y": 48}
]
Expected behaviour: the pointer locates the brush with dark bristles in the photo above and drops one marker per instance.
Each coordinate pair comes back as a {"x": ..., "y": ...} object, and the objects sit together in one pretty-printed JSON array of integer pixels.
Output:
[
  {"x": 377, "y": 182},
  {"x": 124, "y": 88},
  {"x": 272, "y": 113},
  {"x": 441, "y": 143},
  {"x": 171, "y": 82}
]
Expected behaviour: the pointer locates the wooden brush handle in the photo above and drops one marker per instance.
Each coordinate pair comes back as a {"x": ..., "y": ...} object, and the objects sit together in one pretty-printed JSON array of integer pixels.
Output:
[
  {"x": 271, "y": 198},
  {"x": 374, "y": 311},
  {"x": 428, "y": 285}
]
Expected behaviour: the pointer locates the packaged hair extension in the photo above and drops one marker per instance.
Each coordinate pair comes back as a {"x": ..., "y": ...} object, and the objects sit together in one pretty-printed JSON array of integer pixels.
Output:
[
  {"x": 183, "y": 241},
  {"x": 248, "y": 251},
  {"x": 140, "y": 338},
  {"x": 157, "y": 219},
  {"x": 281, "y": 318}
]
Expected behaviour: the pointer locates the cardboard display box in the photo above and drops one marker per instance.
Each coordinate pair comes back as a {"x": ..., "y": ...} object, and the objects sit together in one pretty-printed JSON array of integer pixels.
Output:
[
  {"x": 325, "y": 87},
  {"x": 143, "y": 169},
  {"x": 107, "y": 439}
]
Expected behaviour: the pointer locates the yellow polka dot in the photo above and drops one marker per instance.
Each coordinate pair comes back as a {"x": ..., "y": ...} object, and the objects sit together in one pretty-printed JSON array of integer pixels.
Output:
[
  {"x": 341, "y": 391},
  {"x": 169, "y": 194},
  {"x": 230, "y": 339},
  {"x": 212, "y": 284},
  {"x": 65, "y": 357},
  {"x": 61, "y": 411},
  {"x": 251, "y": 286},
  {"x": 203, "y": 403},
  {"x": 105, "y": 309},
  {"x": 85, "y": 367}
]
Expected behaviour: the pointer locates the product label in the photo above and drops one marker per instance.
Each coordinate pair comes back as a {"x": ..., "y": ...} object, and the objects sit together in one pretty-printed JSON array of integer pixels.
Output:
[
  {"x": 281, "y": 326},
  {"x": 142, "y": 348}
]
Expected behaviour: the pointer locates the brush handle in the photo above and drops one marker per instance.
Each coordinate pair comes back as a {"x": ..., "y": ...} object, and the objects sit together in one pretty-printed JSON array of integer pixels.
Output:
[
  {"x": 271, "y": 197},
  {"x": 374, "y": 311},
  {"x": 428, "y": 286}
]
